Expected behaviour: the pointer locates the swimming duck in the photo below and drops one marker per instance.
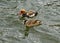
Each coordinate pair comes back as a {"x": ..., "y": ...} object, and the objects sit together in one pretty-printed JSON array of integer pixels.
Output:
[
  {"x": 31, "y": 23},
  {"x": 28, "y": 14}
]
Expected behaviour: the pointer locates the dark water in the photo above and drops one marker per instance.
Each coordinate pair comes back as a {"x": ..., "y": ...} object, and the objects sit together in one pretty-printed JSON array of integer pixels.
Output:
[{"x": 12, "y": 29}]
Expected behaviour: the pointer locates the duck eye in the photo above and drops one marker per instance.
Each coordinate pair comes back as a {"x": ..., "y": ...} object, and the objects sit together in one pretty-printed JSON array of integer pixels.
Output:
[{"x": 22, "y": 11}]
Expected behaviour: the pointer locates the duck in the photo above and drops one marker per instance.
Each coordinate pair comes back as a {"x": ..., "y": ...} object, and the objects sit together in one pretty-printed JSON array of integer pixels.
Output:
[
  {"x": 28, "y": 14},
  {"x": 32, "y": 23}
]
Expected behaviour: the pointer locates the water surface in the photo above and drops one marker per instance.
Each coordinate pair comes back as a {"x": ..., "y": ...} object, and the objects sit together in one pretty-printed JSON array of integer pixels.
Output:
[{"x": 12, "y": 29}]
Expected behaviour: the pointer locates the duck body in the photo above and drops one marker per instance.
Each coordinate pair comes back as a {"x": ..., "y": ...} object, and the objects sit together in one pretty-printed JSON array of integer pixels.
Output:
[
  {"x": 29, "y": 14},
  {"x": 32, "y": 23}
]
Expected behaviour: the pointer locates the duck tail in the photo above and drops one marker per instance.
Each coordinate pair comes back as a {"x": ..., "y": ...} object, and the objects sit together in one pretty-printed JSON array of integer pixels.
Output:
[{"x": 36, "y": 13}]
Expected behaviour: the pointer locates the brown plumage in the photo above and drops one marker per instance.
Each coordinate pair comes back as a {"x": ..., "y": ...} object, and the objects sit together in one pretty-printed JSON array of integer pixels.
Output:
[
  {"x": 22, "y": 11},
  {"x": 28, "y": 14},
  {"x": 31, "y": 23}
]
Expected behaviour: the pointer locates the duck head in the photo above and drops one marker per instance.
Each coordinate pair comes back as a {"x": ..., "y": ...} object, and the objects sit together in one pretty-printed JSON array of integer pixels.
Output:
[{"x": 22, "y": 11}]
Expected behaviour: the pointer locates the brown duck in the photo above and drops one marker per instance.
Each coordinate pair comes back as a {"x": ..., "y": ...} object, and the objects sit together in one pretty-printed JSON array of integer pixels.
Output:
[
  {"x": 32, "y": 23},
  {"x": 28, "y": 14}
]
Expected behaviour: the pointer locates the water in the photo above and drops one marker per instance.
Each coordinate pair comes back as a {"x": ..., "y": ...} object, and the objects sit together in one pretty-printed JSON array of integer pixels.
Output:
[{"x": 12, "y": 29}]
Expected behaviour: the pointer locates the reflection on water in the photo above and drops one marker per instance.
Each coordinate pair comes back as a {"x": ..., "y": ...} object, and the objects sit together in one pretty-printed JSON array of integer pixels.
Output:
[{"x": 12, "y": 29}]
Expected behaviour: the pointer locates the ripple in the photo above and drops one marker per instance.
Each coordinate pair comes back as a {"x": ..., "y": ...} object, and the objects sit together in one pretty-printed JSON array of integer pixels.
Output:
[{"x": 12, "y": 29}]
